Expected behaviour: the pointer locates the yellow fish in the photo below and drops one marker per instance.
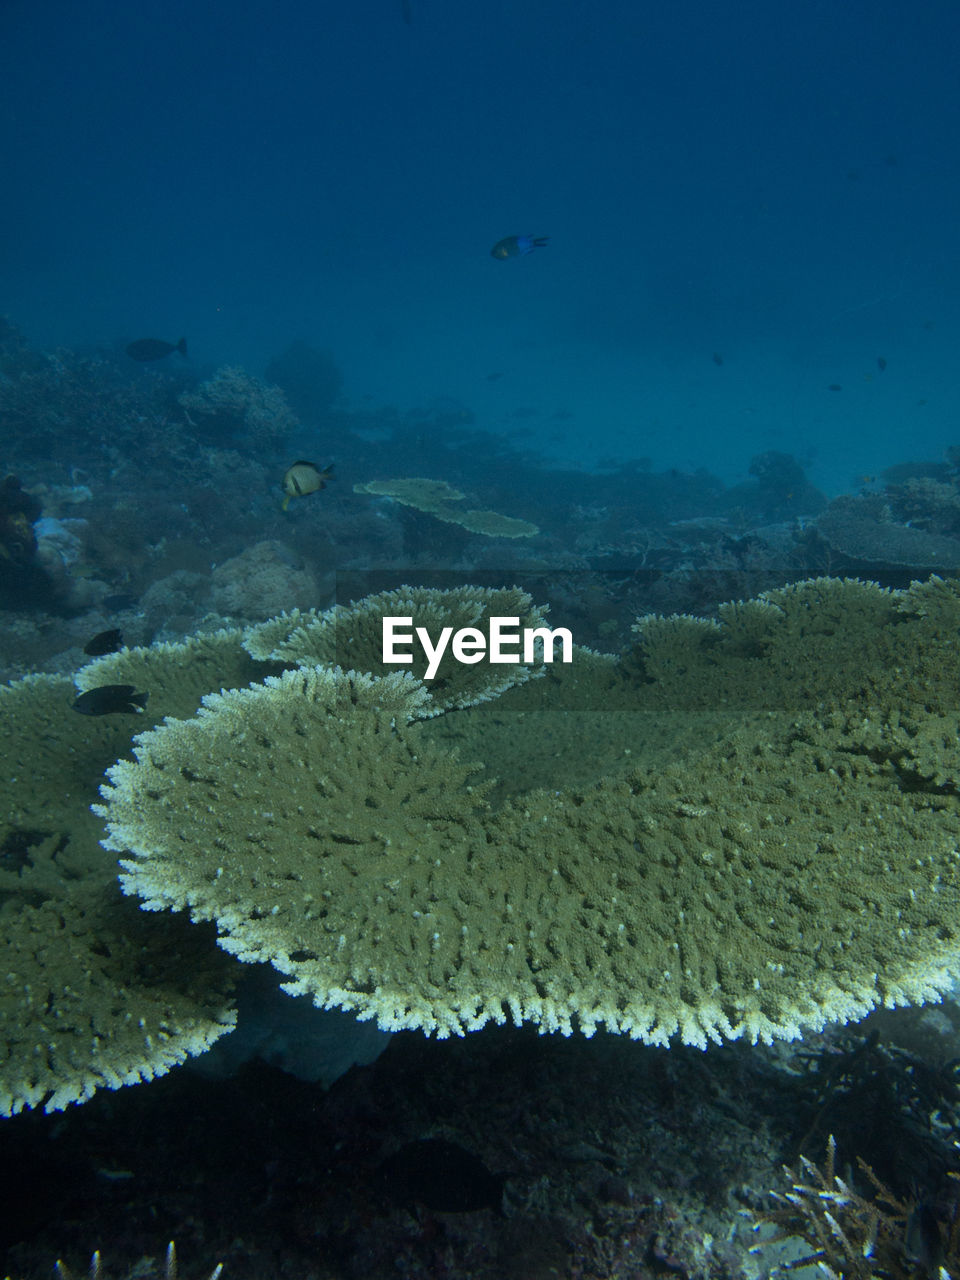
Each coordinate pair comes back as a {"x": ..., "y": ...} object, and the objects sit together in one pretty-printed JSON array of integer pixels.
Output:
[{"x": 302, "y": 478}]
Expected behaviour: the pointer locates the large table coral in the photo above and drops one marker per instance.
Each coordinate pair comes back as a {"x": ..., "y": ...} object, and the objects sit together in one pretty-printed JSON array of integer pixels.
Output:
[
  {"x": 742, "y": 827},
  {"x": 784, "y": 872}
]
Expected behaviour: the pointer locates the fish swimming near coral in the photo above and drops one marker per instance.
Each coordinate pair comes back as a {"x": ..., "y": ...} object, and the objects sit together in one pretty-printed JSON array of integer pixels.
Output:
[
  {"x": 517, "y": 246},
  {"x": 303, "y": 478},
  {"x": 145, "y": 349},
  {"x": 107, "y": 699},
  {"x": 104, "y": 642}
]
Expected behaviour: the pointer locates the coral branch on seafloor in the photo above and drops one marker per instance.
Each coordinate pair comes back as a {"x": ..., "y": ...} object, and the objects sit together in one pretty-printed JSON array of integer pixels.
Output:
[
  {"x": 854, "y": 1235},
  {"x": 145, "y": 1270}
]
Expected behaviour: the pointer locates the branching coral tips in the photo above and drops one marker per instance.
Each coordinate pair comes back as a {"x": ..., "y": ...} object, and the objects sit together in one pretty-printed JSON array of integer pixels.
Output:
[{"x": 505, "y": 643}]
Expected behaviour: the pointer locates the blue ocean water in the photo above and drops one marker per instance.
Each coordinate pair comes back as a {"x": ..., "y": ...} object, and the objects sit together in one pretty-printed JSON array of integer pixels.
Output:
[
  {"x": 750, "y": 212},
  {"x": 748, "y": 203}
]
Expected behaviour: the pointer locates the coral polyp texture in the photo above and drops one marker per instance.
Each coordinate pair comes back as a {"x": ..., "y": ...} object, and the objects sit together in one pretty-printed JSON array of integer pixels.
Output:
[
  {"x": 355, "y": 829},
  {"x": 744, "y": 827},
  {"x": 797, "y": 866},
  {"x": 233, "y": 400},
  {"x": 93, "y": 994}
]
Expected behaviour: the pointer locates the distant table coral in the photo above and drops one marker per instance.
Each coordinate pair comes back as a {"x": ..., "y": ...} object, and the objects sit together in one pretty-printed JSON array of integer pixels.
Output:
[
  {"x": 439, "y": 499},
  {"x": 865, "y": 530}
]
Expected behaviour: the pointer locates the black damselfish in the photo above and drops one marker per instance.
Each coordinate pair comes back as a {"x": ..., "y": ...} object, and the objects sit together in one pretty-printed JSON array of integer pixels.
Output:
[
  {"x": 104, "y": 642},
  {"x": 106, "y": 699}
]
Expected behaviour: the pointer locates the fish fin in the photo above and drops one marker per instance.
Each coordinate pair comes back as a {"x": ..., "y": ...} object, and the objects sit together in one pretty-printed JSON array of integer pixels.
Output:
[{"x": 285, "y": 503}]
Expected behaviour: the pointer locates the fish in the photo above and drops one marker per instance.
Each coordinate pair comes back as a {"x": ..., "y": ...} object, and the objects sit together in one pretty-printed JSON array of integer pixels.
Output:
[
  {"x": 517, "y": 246},
  {"x": 145, "y": 349},
  {"x": 302, "y": 478},
  {"x": 105, "y": 699},
  {"x": 881, "y": 363},
  {"x": 104, "y": 642},
  {"x": 442, "y": 1176}
]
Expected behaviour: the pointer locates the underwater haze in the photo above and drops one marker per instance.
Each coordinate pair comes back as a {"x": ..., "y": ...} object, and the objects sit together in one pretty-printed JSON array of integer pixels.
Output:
[
  {"x": 751, "y": 209},
  {"x": 529, "y": 432}
]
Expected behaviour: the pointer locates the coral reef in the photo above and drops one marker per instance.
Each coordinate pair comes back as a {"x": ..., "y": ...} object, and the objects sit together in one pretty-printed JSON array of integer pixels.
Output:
[
  {"x": 760, "y": 839},
  {"x": 93, "y": 994},
  {"x": 855, "y": 1234},
  {"x": 381, "y": 793},
  {"x": 177, "y": 673},
  {"x": 785, "y": 874},
  {"x": 866, "y": 531},
  {"x": 261, "y": 581},
  {"x": 114, "y": 996},
  {"x": 437, "y": 498},
  {"x": 233, "y": 403}
]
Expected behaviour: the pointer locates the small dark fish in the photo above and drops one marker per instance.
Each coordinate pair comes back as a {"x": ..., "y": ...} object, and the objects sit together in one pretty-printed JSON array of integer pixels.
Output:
[
  {"x": 517, "y": 246},
  {"x": 303, "y": 478},
  {"x": 145, "y": 349},
  {"x": 105, "y": 699},
  {"x": 104, "y": 642},
  {"x": 834, "y": 386},
  {"x": 717, "y": 358},
  {"x": 441, "y": 1175},
  {"x": 881, "y": 363}
]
